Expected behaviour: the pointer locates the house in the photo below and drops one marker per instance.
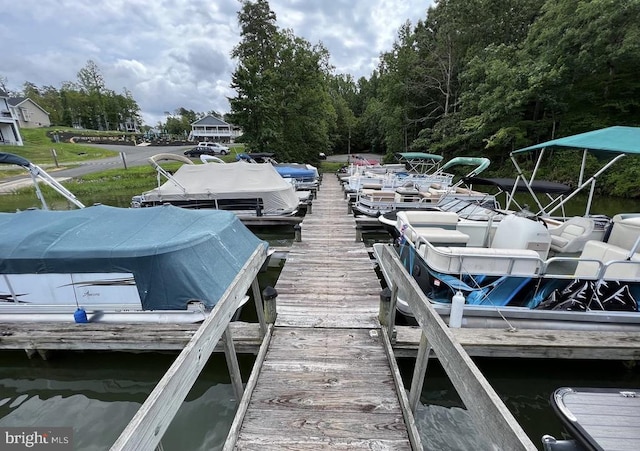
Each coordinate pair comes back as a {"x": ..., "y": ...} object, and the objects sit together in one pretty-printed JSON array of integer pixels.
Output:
[
  {"x": 9, "y": 130},
  {"x": 28, "y": 113},
  {"x": 210, "y": 128}
]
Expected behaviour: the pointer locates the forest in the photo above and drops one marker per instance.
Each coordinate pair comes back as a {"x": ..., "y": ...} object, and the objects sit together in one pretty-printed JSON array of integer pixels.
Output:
[{"x": 474, "y": 77}]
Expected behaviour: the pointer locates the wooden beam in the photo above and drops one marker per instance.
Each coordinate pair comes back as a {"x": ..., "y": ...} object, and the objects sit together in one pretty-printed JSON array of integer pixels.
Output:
[{"x": 492, "y": 418}]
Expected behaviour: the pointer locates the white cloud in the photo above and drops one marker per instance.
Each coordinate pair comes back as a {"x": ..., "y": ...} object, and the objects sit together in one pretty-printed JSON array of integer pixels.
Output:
[{"x": 176, "y": 53}]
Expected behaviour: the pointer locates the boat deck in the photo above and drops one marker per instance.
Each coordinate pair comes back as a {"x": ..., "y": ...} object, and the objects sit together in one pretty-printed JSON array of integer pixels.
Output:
[{"x": 326, "y": 378}]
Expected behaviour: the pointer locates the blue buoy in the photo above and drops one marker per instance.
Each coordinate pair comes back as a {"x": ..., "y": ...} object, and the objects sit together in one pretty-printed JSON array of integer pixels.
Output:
[{"x": 80, "y": 315}]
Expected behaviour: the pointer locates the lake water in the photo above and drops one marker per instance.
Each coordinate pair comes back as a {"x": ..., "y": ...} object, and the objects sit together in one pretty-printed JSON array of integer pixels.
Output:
[{"x": 98, "y": 393}]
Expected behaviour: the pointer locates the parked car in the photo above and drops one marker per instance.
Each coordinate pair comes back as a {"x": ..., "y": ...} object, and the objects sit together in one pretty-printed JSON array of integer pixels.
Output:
[{"x": 207, "y": 148}]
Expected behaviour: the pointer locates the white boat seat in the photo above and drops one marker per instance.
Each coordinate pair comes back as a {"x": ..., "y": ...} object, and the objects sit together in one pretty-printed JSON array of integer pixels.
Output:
[
  {"x": 441, "y": 237},
  {"x": 571, "y": 235},
  {"x": 606, "y": 253},
  {"x": 428, "y": 218},
  {"x": 625, "y": 231},
  {"x": 481, "y": 260}
]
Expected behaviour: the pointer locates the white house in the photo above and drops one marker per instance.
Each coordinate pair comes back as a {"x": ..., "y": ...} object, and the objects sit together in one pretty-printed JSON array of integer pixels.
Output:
[
  {"x": 28, "y": 113},
  {"x": 210, "y": 128},
  {"x": 9, "y": 130}
]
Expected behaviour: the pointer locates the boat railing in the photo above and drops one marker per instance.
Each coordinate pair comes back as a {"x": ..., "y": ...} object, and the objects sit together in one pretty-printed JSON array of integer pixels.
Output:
[
  {"x": 490, "y": 416},
  {"x": 478, "y": 260}
]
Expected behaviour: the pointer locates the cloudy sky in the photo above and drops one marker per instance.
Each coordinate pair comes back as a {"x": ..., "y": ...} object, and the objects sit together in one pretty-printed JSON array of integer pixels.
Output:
[{"x": 175, "y": 53}]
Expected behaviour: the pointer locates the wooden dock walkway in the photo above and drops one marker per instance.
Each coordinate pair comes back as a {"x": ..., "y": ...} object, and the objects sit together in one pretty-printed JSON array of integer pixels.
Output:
[{"x": 326, "y": 380}]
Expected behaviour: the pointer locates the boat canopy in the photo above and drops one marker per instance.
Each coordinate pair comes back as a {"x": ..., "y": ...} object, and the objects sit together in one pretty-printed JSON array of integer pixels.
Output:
[
  {"x": 238, "y": 180},
  {"x": 616, "y": 139},
  {"x": 296, "y": 170},
  {"x": 419, "y": 162},
  {"x": 176, "y": 255},
  {"x": 480, "y": 164}
]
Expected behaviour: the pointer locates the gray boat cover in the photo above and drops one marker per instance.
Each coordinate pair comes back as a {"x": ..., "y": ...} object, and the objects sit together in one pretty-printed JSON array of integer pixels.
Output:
[
  {"x": 176, "y": 255},
  {"x": 239, "y": 180}
]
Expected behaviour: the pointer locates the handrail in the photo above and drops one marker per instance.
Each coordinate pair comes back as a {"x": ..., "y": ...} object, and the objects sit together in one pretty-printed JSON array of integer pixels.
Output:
[
  {"x": 150, "y": 422},
  {"x": 492, "y": 418}
]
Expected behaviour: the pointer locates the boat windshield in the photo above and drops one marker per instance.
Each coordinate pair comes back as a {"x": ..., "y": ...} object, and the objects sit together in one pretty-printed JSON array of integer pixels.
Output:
[{"x": 471, "y": 210}]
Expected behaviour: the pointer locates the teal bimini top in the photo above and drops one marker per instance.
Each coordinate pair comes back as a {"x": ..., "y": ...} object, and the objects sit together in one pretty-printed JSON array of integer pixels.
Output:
[
  {"x": 176, "y": 255},
  {"x": 616, "y": 139}
]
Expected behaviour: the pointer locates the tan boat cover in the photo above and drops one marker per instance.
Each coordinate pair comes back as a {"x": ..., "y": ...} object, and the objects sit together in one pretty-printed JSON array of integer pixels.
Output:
[{"x": 239, "y": 180}]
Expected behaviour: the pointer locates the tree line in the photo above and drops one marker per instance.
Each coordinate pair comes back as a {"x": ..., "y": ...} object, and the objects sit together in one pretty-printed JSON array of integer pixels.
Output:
[
  {"x": 86, "y": 103},
  {"x": 474, "y": 77}
]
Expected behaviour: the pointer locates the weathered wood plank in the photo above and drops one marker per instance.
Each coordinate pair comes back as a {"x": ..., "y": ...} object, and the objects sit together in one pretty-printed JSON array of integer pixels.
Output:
[
  {"x": 328, "y": 384},
  {"x": 531, "y": 343}
]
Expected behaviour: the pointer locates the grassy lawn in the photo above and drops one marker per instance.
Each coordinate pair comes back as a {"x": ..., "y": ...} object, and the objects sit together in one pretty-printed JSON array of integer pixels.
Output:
[{"x": 37, "y": 149}]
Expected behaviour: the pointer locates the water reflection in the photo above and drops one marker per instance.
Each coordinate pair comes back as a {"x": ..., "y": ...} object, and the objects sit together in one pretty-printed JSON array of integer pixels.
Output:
[{"x": 98, "y": 394}]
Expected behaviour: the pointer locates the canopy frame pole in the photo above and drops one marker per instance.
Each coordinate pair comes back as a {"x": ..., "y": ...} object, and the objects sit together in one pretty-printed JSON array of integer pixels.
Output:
[
  {"x": 591, "y": 180},
  {"x": 583, "y": 166},
  {"x": 525, "y": 181},
  {"x": 38, "y": 173}
]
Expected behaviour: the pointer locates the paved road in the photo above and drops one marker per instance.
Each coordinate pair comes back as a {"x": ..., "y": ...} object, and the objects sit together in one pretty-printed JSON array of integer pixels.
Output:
[{"x": 133, "y": 155}]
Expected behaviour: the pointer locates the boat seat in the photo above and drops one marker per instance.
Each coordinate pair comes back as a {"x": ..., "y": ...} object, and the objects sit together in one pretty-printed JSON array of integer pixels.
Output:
[
  {"x": 481, "y": 260},
  {"x": 625, "y": 231},
  {"x": 441, "y": 237},
  {"x": 627, "y": 269},
  {"x": 571, "y": 235},
  {"x": 428, "y": 218}
]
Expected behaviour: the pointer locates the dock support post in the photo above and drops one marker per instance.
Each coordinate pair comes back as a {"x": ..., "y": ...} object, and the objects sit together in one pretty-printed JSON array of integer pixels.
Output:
[
  {"x": 358, "y": 233},
  {"x": 391, "y": 330},
  {"x": 310, "y": 207},
  {"x": 297, "y": 232},
  {"x": 419, "y": 372},
  {"x": 385, "y": 302},
  {"x": 232, "y": 363},
  {"x": 257, "y": 298},
  {"x": 270, "y": 294},
  {"x": 349, "y": 208}
]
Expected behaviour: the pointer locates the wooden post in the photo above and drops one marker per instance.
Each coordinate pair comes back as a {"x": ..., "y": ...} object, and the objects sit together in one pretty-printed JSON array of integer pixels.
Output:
[
  {"x": 385, "y": 302},
  {"x": 419, "y": 372},
  {"x": 358, "y": 233},
  {"x": 297, "y": 232},
  {"x": 270, "y": 294},
  {"x": 124, "y": 160},
  {"x": 349, "y": 209},
  {"x": 309, "y": 207},
  {"x": 54, "y": 154},
  {"x": 257, "y": 298},
  {"x": 392, "y": 314},
  {"x": 232, "y": 363}
]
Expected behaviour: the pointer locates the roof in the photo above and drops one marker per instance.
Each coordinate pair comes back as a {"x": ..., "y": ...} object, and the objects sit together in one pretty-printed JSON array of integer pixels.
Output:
[
  {"x": 211, "y": 120},
  {"x": 17, "y": 101},
  {"x": 616, "y": 139},
  {"x": 175, "y": 254}
]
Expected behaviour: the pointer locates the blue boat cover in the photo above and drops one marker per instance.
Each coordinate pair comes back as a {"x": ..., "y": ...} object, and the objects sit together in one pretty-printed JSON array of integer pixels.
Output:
[
  {"x": 612, "y": 139},
  {"x": 295, "y": 171},
  {"x": 176, "y": 255}
]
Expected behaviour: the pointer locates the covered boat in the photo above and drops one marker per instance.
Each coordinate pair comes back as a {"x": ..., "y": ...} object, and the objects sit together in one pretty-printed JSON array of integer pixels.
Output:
[
  {"x": 244, "y": 188},
  {"x": 526, "y": 269},
  {"x": 118, "y": 264}
]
